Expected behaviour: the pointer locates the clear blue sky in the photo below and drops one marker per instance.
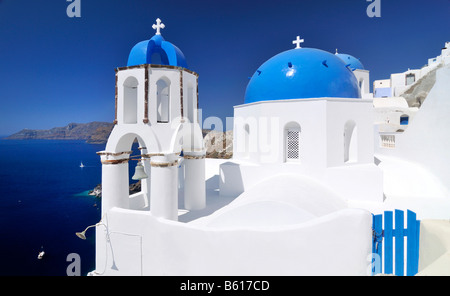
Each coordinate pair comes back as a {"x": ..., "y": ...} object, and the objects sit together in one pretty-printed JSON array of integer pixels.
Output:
[{"x": 55, "y": 70}]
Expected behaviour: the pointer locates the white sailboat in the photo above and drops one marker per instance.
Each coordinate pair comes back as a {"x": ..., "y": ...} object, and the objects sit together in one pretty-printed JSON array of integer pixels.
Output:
[
  {"x": 81, "y": 165},
  {"x": 41, "y": 253}
]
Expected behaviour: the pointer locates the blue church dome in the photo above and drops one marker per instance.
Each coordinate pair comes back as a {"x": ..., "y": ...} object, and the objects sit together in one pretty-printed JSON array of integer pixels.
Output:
[
  {"x": 156, "y": 51},
  {"x": 352, "y": 62},
  {"x": 302, "y": 73}
]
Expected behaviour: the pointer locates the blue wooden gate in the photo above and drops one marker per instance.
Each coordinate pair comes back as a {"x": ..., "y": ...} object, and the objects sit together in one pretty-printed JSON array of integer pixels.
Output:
[{"x": 385, "y": 238}]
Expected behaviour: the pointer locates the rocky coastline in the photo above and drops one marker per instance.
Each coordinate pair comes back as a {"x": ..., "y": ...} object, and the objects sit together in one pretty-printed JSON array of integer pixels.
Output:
[
  {"x": 217, "y": 144},
  {"x": 97, "y": 191},
  {"x": 92, "y": 132}
]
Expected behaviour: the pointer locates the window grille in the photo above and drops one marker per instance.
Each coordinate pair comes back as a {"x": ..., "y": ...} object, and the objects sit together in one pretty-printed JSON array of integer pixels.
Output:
[
  {"x": 293, "y": 147},
  {"x": 388, "y": 141}
]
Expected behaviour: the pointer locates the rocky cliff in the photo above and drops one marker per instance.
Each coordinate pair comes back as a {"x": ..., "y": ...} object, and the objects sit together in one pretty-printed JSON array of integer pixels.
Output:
[
  {"x": 416, "y": 95},
  {"x": 92, "y": 132},
  {"x": 218, "y": 144}
]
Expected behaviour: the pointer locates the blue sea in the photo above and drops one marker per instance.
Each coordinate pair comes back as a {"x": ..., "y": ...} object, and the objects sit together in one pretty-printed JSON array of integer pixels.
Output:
[{"x": 43, "y": 202}]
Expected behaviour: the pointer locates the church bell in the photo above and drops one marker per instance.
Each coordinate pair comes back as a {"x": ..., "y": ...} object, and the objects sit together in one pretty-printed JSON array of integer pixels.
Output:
[{"x": 139, "y": 173}]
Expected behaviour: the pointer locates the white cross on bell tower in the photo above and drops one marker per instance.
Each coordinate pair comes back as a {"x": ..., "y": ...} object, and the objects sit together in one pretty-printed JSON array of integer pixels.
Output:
[
  {"x": 298, "y": 41},
  {"x": 158, "y": 26}
]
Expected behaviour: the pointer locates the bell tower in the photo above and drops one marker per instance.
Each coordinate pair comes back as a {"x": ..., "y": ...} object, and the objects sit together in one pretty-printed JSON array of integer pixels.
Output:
[{"x": 156, "y": 102}]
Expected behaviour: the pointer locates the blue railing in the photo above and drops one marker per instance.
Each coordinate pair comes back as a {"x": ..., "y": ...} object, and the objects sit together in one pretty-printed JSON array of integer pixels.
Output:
[{"x": 384, "y": 240}]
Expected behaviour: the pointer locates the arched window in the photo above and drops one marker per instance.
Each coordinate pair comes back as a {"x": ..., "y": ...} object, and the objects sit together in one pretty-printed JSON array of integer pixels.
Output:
[
  {"x": 190, "y": 104},
  {"x": 158, "y": 57},
  {"x": 350, "y": 142},
  {"x": 292, "y": 136},
  {"x": 247, "y": 140},
  {"x": 130, "y": 97},
  {"x": 163, "y": 101},
  {"x": 361, "y": 85}
]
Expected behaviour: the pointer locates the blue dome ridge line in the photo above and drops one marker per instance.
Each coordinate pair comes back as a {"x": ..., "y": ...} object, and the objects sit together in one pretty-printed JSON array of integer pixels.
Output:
[
  {"x": 156, "y": 51},
  {"x": 353, "y": 62},
  {"x": 302, "y": 73}
]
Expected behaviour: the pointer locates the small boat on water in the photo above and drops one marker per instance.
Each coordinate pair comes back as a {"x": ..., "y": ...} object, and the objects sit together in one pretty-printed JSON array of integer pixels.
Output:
[
  {"x": 41, "y": 254},
  {"x": 81, "y": 165}
]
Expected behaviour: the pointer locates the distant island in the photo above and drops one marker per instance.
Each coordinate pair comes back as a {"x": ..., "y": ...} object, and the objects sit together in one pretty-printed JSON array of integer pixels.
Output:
[
  {"x": 218, "y": 144},
  {"x": 92, "y": 132}
]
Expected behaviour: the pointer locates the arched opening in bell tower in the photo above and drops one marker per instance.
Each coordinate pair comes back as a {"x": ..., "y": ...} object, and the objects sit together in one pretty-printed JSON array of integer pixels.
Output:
[
  {"x": 163, "y": 100},
  {"x": 130, "y": 98}
]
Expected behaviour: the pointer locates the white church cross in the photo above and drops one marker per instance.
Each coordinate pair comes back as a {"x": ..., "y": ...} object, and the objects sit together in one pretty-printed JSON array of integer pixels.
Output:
[
  {"x": 298, "y": 41},
  {"x": 158, "y": 26}
]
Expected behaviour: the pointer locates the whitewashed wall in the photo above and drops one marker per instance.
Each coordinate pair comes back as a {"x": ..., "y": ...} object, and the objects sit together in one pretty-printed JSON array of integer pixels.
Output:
[
  {"x": 321, "y": 121},
  {"x": 140, "y": 244},
  {"x": 427, "y": 139}
]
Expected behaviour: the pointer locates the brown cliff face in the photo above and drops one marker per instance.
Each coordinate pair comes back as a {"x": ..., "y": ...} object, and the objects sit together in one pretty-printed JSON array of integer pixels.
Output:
[
  {"x": 100, "y": 135},
  {"x": 218, "y": 144}
]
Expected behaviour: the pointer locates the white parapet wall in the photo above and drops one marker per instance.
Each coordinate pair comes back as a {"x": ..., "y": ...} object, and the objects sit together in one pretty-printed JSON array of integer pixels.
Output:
[
  {"x": 351, "y": 182},
  {"x": 137, "y": 243}
]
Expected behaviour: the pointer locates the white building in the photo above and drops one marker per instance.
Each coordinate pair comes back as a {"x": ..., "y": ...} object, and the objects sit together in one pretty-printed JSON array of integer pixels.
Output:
[
  {"x": 392, "y": 112},
  {"x": 362, "y": 75},
  {"x": 156, "y": 103},
  {"x": 304, "y": 115},
  {"x": 303, "y": 152},
  {"x": 398, "y": 83},
  {"x": 187, "y": 222}
]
